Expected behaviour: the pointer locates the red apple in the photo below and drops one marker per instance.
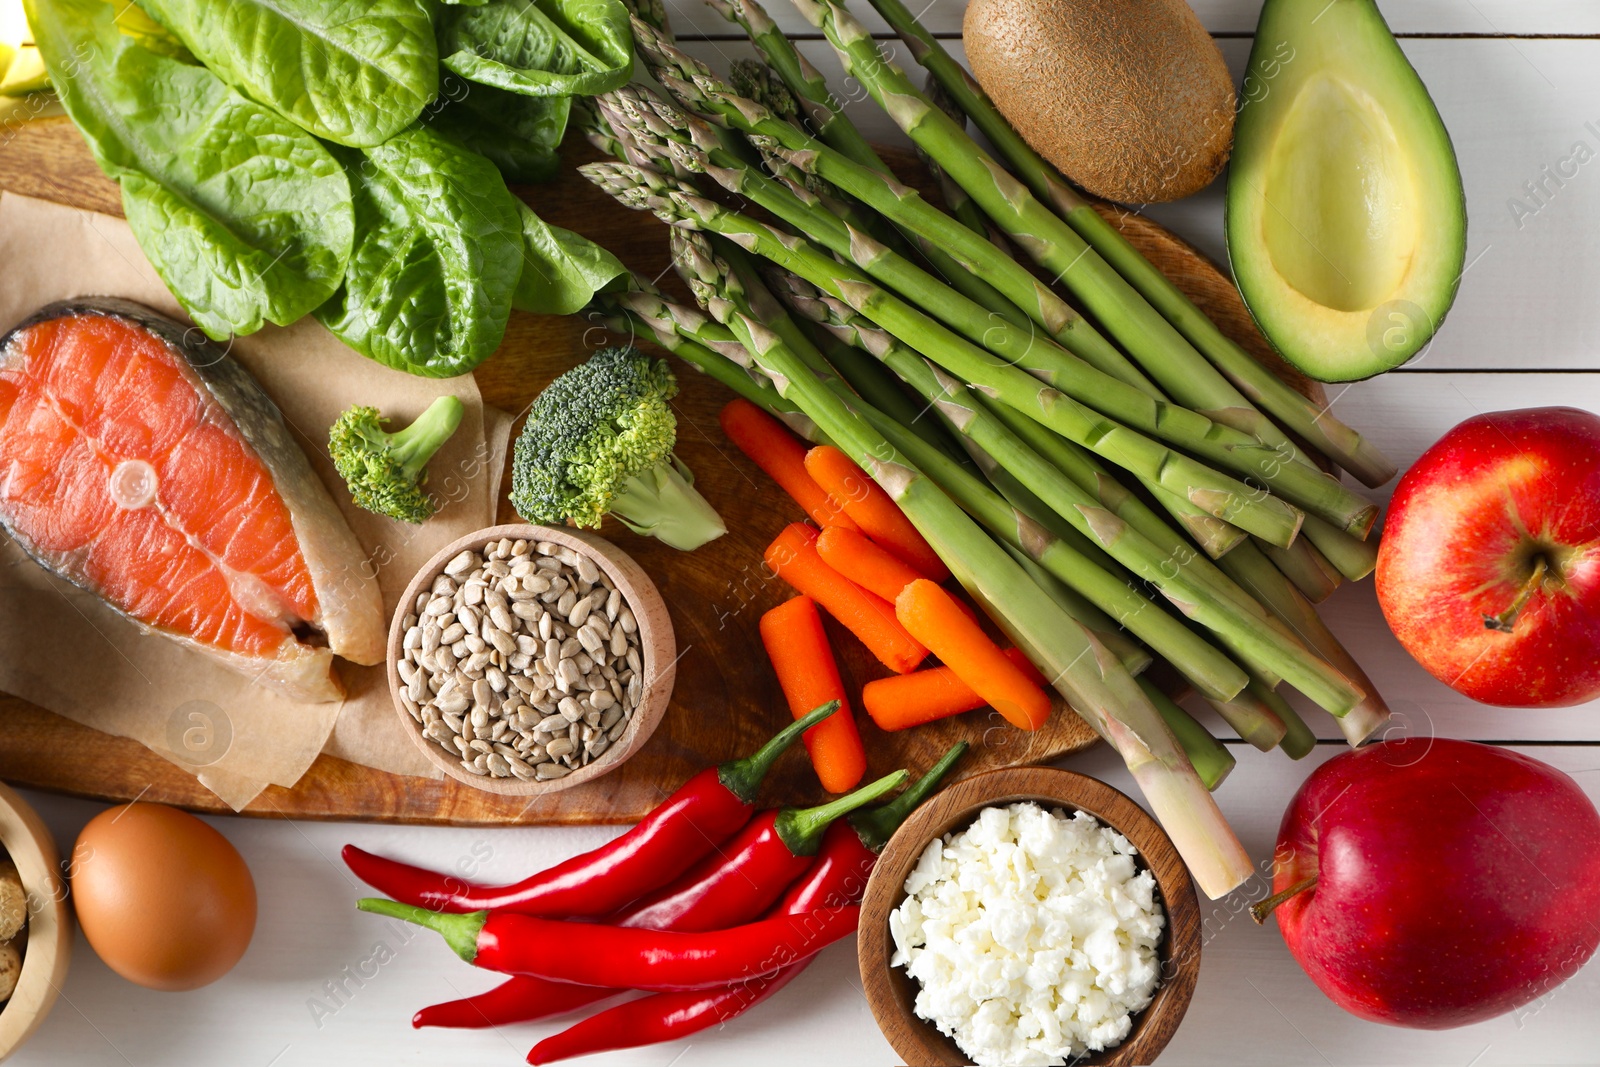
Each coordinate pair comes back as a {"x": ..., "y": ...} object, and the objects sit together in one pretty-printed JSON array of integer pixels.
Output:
[
  {"x": 1489, "y": 569},
  {"x": 1449, "y": 881}
]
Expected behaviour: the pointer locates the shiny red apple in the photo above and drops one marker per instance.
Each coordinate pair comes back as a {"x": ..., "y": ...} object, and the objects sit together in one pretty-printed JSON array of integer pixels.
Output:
[
  {"x": 1489, "y": 568},
  {"x": 1433, "y": 883}
]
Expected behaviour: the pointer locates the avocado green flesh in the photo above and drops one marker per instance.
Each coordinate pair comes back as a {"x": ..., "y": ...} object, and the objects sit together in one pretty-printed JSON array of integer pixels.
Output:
[{"x": 1346, "y": 217}]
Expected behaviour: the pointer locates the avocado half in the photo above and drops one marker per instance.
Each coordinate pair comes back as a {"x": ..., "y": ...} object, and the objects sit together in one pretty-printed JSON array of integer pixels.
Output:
[{"x": 1346, "y": 220}]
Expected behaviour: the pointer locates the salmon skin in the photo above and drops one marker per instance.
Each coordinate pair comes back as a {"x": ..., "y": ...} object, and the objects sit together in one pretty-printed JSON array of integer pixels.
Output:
[{"x": 143, "y": 464}]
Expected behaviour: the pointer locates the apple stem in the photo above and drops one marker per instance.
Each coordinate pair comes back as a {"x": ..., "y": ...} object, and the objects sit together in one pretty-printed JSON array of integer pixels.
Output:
[
  {"x": 1504, "y": 621},
  {"x": 1262, "y": 908}
]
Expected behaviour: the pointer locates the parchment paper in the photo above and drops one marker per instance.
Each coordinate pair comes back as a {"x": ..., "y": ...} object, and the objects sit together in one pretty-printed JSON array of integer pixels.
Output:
[{"x": 64, "y": 650}]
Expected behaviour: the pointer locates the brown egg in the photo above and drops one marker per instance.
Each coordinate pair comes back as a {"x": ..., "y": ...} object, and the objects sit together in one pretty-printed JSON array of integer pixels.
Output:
[{"x": 165, "y": 900}]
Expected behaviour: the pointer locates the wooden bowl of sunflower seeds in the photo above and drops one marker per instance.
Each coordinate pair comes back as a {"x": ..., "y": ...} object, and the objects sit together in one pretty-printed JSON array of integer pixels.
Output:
[{"x": 529, "y": 659}]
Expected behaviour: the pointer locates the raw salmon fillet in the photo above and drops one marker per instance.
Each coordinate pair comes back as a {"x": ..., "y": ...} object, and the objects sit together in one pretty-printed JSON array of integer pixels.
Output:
[{"x": 140, "y": 462}]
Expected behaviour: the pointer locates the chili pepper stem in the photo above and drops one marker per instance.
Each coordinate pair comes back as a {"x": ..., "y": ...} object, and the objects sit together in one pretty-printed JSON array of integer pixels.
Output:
[
  {"x": 876, "y": 826},
  {"x": 460, "y": 932},
  {"x": 742, "y": 777},
  {"x": 801, "y": 829}
]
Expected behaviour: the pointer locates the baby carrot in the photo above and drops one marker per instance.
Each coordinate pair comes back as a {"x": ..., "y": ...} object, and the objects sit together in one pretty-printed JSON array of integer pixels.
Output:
[
  {"x": 879, "y": 517},
  {"x": 771, "y": 446},
  {"x": 864, "y": 562},
  {"x": 933, "y": 617},
  {"x": 809, "y": 677},
  {"x": 793, "y": 557},
  {"x": 906, "y": 700}
]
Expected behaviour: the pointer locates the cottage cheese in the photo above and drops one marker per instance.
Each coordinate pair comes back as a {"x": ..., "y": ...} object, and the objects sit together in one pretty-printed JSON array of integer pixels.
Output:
[{"x": 1032, "y": 936}]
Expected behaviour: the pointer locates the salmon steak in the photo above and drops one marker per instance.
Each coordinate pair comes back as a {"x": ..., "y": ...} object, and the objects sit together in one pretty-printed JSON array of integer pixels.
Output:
[{"x": 145, "y": 465}]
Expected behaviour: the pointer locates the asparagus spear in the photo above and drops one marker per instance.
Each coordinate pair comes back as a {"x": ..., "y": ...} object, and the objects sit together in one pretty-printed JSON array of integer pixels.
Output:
[
  {"x": 1255, "y": 573},
  {"x": 1152, "y": 341},
  {"x": 1211, "y": 759},
  {"x": 694, "y": 85},
  {"x": 1306, "y": 567},
  {"x": 1135, "y": 659},
  {"x": 1218, "y": 538},
  {"x": 1298, "y": 740},
  {"x": 1219, "y": 494},
  {"x": 1088, "y": 676},
  {"x": 1314, "y": 423},
  {"x": 696, "y": 146}
]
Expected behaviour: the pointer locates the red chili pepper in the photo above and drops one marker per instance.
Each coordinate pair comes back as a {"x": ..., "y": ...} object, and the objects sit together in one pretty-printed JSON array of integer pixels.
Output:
[
  {"x": 704, "y": 812},
  {"x": 839, "y": 876},
  {"x": 595, "y": 954},
  {"x": 733, "y": 885}
]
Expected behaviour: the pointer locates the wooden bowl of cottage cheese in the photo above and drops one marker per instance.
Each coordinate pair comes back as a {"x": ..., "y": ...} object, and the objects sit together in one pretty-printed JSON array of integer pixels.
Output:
[{"x": 1082, "y": 927}]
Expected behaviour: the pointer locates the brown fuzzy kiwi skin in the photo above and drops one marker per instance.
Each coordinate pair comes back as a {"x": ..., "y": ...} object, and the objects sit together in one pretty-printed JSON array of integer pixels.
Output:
[{"x": 1128, "y": 98}]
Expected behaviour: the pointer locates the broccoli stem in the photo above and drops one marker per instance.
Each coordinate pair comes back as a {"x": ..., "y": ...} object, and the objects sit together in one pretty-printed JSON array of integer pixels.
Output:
[
  {"x": 415, "y": 445},
  {"x": 661, "y": 502}
]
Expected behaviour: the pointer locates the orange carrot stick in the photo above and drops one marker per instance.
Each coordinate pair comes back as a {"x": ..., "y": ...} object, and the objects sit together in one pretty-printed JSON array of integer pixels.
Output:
[
  {"x": 793, "y": 557},
  {"x": 933, "y": 617},
  {"x": 800, "y": 654},
  {"x": 864, "y": 562},
  {"x": 771, "y": 446},
  {"x": 907, "y": 700},
  {"x": 879, "y": 517}
]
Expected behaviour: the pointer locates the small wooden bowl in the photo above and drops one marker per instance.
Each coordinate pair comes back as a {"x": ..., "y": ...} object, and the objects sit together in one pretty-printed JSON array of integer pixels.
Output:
[
  {"x": 28, "y": 842},
  {"x": 891, "y": 992},
  {"x": 658, "y": 649}
]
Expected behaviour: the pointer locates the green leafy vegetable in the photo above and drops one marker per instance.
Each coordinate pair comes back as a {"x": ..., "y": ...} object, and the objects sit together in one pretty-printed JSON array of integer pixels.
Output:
[
  {"x": 386, "y": 471},
  {"x": 599, "y": 441},
  {"x": 561, "y": 270},
  {"x": 244, "y": 215},
  {"x": 356, "y": 72},
  {"x": 437, "y": 256},
  {"x": 519, "y": 134},
  {"x": 540, "y": 47}
]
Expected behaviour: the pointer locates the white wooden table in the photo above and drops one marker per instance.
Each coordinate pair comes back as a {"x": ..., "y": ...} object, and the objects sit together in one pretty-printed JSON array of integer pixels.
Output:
[{"x": 1518, "y": 83}]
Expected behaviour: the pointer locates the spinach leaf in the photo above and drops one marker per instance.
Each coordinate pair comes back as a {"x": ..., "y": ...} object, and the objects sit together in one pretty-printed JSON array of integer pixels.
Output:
[
  {"x": 352, "y": 71},
  {"x": 540, "y": 47},
  {"x": 561, "y": 270},
  {"x": 244, "y": 215},
  {"x": 436, "y": 259},
  {"x": 520, "y": 134}
]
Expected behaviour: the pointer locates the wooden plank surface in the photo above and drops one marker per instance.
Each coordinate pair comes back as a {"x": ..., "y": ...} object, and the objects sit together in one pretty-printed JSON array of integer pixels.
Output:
[{"x": 726, "y": 699}]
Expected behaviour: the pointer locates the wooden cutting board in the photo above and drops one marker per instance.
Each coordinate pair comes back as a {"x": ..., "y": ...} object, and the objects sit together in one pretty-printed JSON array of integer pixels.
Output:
[{"x": 726, "y": 700}]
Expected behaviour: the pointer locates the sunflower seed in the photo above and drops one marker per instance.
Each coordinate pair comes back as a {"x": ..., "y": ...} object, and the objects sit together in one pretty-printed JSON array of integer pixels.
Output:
[{"x": 547, "y": 771}]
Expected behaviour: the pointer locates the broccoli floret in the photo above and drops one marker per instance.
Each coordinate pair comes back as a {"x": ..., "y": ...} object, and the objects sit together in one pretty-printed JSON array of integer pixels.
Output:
[
  {"x": 599, "y": 440},
  {"x": 386, "y": 471}
]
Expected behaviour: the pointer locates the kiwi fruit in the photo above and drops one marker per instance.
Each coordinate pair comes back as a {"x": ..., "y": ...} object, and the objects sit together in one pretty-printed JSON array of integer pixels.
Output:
[{"x": 1129, "y": 99}]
